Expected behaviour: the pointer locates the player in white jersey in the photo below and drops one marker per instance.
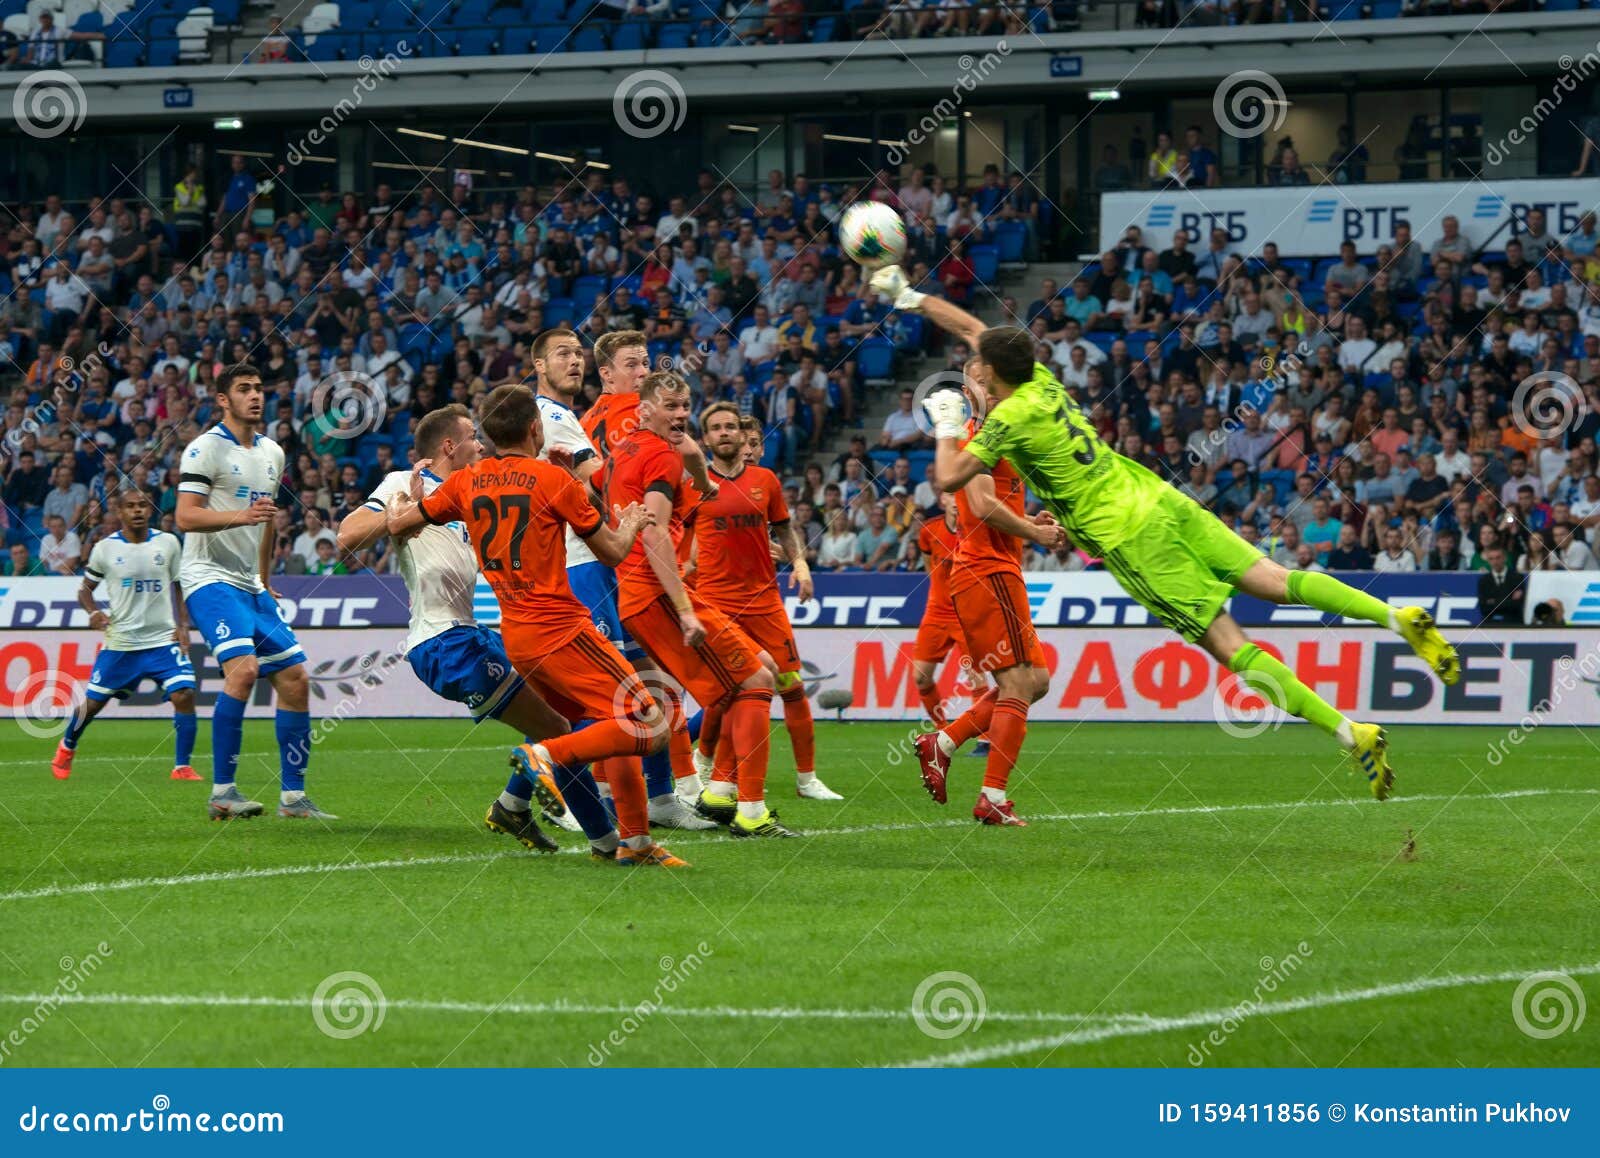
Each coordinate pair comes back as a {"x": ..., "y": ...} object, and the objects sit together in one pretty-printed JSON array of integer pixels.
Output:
[
  {"x": 229, "y": 479},
  {"x": 446, "y": 648},
  {"x": 558, "y": 360},
  {"x": 147, "y": 632}
]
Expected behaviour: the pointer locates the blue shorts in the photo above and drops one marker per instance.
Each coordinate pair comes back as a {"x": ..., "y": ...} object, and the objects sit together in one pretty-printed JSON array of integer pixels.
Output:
[
  {"x": 236, "y": 622},
  {"x": 469, "y": 666},
  {"x": 595, "y": 585},
  {"x": 119, "y": 673}
]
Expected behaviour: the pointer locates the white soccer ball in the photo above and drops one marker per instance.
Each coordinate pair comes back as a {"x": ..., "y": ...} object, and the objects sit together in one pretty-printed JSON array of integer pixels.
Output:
[{"x": 872, "y": 234}]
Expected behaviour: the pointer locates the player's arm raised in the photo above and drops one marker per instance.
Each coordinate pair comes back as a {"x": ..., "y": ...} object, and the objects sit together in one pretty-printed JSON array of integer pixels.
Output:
[
  {"x": 891, "y": 282},
  {"x": 664, "y": 563},
  {"x": 612, "y": 544},
  {"x": 987, "y": 506},
  {"x": 694, "y": 461}
]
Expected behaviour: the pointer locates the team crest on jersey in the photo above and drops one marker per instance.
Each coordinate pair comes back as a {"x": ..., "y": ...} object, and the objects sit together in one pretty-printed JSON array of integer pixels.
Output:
[
  {"x": 495, "y": 670},
  {"x": 222, "y": 631},
  {"x": 757, "y": 493},
  {"x": 235, "y": 468},
  {"x": 119, "y": 560}
]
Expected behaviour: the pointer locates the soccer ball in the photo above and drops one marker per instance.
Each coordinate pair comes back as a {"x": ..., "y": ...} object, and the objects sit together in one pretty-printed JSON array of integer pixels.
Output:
[{"x": 872, "y": 234}]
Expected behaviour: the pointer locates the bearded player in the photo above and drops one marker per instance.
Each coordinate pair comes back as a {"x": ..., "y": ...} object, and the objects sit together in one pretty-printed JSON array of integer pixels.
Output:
[
  {"x": 691, "y": 640},
  {"x": 453, "y": 656},
  {"x": 735, "y": 574},
  {"x": 620, "y": 356},
  {"x": 147, "y": 631},
  {"x": 1166, "y": 550},
  {"x": 517, "y": 509}
]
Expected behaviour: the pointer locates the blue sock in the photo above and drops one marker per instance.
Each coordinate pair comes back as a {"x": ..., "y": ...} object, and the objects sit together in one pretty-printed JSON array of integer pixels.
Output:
[
  {"x": 227, "y": 733},
  {"x": 186, "y": 726},
  {"x": 658, "y": 780},
  {"x": 76, "y": 723},
  {"x": 583, "y": 800},
  {"x": 694, "y": 726},
  {"x": 294, "y": 748},
  {"x": 519, "y": 785}
]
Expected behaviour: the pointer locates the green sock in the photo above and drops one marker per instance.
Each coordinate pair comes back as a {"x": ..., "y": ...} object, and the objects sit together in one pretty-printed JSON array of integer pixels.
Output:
[
  {"x": 1325, "y": 593},
  {"x": 1276, "y": 683}
]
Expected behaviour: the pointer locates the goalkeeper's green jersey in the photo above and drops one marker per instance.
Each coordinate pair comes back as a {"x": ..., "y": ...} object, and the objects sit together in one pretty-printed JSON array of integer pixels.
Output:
[{"x": 1099, "y": 496}]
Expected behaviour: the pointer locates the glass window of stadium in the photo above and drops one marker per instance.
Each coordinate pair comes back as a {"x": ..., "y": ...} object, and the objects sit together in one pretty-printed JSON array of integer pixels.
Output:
[
  {"x": 744, "y": 149},
  {"x": 1404, "y": 134}
]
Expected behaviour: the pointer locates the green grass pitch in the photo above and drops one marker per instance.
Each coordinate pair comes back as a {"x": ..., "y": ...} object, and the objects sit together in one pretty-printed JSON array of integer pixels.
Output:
[{"x": 1171, "y": 874}]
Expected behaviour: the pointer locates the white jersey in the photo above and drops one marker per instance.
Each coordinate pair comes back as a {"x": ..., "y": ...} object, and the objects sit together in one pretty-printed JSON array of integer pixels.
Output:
[
  {"x": 230, "y": 477},
  {"x": 139, "y": 579},
  {"x": 438, "y": 565},
  {"x": 563, "y": 431}
]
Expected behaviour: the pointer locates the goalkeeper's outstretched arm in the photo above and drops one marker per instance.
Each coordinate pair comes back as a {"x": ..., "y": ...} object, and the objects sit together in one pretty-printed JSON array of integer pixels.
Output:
[{"x": 891, "y": 281}]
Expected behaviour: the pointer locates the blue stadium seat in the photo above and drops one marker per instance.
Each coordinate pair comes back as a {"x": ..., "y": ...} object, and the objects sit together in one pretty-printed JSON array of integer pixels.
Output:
[
  {"x": 123, "y": 53},
  {"x": 629, "y": 36},
  {"x": 327, "y": 46},
  {"x": 1319, "y": 273},
  {"x": 478, "y": 42},
  {"x": 546, "y": 11},
  {"x": 558, "y": 310},
  {"x": 875, "y": 360},
  {"x": 504, "y": 17},
  {"x": 162, "y": 53},
  {"x": 674, "y": 34},
  {"x": 1010, "y": 239},
  {"x": 822, "y": 29},
  {"x": 985, "y": 262},
  {"x": 227, "y": 13},
  {"x": 1389, "y": 9},
  {"x": 632, "y": 283},
  {"x": 585, "y": 289},
  {"x": 89, "y": 22},
  {"x": 356, "y": 13},
  {"x": 470, "y": 12},
  {"x": 589, "y": 38}
]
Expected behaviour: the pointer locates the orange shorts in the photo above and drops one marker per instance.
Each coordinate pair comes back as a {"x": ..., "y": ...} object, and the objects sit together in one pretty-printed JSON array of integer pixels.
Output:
[
  {"x": 585, "y": 679},
  {"x": 711, "y": 672},
  {"x": 998, "y": 632},
  {"x": 767, "y": 624},
  {"x": 937, "y": 636}
]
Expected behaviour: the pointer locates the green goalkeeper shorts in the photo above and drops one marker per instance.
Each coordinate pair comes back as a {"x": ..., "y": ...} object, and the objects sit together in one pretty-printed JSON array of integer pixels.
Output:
[{"x": 1182, "y": 564}]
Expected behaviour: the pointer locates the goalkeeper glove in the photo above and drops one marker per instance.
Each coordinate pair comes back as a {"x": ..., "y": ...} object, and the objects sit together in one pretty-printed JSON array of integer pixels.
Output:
[
  {"x": 891, "y": 282},
  {"x": 947, "y": 410}
]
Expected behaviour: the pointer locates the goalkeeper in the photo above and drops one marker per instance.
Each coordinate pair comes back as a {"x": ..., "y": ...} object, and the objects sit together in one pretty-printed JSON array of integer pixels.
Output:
[{"x": 1166, "y": 550}]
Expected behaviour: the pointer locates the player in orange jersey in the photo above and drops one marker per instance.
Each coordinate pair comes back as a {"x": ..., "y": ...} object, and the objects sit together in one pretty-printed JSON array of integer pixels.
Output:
[
  {"x": 939, "y": 633},
  {"x": 991, "y": 604},
  {"x": 695, "y": 643},
  {"x": 517, "y": 510},
  {"x": 622, "y": 360},
  {"x": 736, "y": 574}
]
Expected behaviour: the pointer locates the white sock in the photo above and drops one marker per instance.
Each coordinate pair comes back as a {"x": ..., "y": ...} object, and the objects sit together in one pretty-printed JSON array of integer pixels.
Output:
[
  {"x": 946, "y": 744},
  {"x": 604, "y": 790},
  {"x": 639, "y": 842},
  {"x": 221, "y": 789},
  {"x": 752, "y": 809},
  {"x": 804, "y": 778},
  {"x": 514, "y": 803},
  {"x": 994, "y": 795},
  {"x": 1346, "y": 737},
  {"x": 1394, "y": 621},
  {"x": 290, "y": 797},
  {"x": 606, "y": 843}
]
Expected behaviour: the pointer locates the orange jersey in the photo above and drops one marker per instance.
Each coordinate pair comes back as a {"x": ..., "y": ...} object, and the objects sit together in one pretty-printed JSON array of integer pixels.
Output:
[
  {"x": 735, "y": 561},
  {"x": 982, "y": 550},
  {"x": 642, "y": 463},
  {"x": 611, "y": 421},
  {"x": 517, "y": 510},
  {"x": 938, "y": 542}
]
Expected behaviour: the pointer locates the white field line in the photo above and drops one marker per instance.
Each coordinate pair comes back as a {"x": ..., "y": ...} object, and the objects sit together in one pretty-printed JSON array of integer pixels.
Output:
[
  {"x": 1149, "y": 1025},
  {"x": 155, "y": 760},
  {"x": 79, "y": 888},
  {"x": 540, "y": 1008}
]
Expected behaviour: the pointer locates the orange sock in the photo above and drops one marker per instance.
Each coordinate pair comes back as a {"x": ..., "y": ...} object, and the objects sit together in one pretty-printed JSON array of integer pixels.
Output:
[
  {"x": 933, "y": 705},
  {"x": 973, "y": 722},
  {"x": 802, "y": 729},
  {"x": 750, "y": 718},
  {"x": 596, "y": 742},
  {"x": 1006, "y": 733},
  {"x": 678, "y": 746},
  {"x": 629, "y": 796},
  {"x": 711, "y": 728},
  {"x": 600, "y": 771},
  {"x": 725, "y": 768}
]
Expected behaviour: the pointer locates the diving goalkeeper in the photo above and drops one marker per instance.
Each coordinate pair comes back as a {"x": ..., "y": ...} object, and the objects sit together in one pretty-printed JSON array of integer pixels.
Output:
[{"x": 1167, "y": 551}]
